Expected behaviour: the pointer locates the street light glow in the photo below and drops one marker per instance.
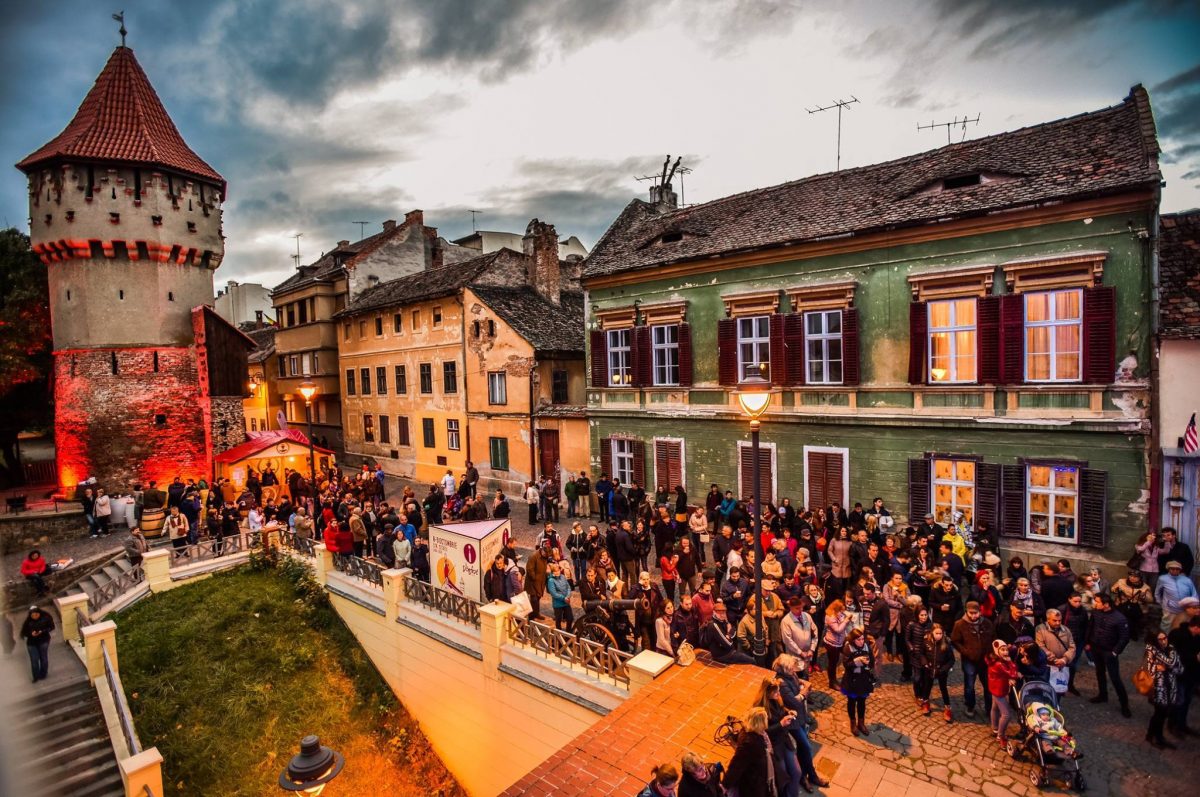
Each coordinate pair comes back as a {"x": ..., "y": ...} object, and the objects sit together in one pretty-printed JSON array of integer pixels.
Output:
[{"x": 308, "y": 390}]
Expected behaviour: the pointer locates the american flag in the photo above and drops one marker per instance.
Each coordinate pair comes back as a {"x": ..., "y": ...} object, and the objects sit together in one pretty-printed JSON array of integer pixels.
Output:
[{"x": 1190, "y": 440}]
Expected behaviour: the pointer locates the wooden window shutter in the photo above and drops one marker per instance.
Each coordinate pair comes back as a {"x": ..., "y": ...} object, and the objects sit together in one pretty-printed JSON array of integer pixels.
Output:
[
  {"x": 685, "y": 355},
  {"x": 599, "y": 359},
  {"x": 639, "y": 462},
  {"x": 987, "y": 494},
  {"x": 746, "y": 454},
  {"x": 918, "y": 330},
  {"x": 817, "y": 479},
  {"x": 793, "y": 340},
  {"x": 727, "y": 352},
  {"x": 919, "y": 499},
  {"x": 1012, "y": 339},
  {"x": 668, "y": 466},
  {"x": 643, "y": 363},
  {"x": 850, "y": 369},
  {"x": 1012, "y": 500},
  {"x": 1093, "y": 507},
  {"x": 1099, "y": 334},
  {"x": 606, "y": 455},
  {"x": 833, "y": 479},
  {"x": 779, "y": 365},
  {"x": 987, "y": 339}
]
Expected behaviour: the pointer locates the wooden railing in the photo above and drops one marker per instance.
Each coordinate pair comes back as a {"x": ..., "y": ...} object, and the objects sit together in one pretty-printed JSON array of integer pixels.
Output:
[
  {"x": 216, "y": 547},
  {"x": 304, "y": 545},
  {"x": 118, "y": 695},
  {"x": 600, "y": 660},
  {"x": 460, "y": 607},
  {"x": 81, "y": 621},
  {"x": 116, "y": 588},
  {"x": 359, "y": 568}
]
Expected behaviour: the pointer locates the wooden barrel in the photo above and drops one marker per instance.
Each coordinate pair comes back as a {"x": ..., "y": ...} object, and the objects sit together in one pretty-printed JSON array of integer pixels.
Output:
[{"x": 152, "y": 522}]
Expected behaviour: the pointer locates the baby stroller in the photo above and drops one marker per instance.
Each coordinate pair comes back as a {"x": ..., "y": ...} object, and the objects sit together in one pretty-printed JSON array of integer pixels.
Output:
[{"x": 1044, "y": 737}]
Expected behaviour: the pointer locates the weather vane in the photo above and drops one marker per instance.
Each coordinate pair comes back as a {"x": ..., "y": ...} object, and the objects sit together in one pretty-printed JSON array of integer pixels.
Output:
[{"x": 120, "y": 17}]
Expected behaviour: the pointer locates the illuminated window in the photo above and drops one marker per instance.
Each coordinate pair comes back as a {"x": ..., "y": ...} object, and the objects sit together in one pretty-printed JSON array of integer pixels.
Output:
[
  {"x": 953, "y": 489},
  {"x": 368, "y": 429},
  {"x": 1053, "y": 335},
  {"x": 952, "y": 341},
  {"x": 1053, "y": 500}
]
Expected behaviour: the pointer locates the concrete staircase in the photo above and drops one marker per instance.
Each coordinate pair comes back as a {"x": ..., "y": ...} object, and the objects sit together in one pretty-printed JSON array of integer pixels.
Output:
[
  {"x": 66, "y": 749},
  {"x": 114, "y": 569}
]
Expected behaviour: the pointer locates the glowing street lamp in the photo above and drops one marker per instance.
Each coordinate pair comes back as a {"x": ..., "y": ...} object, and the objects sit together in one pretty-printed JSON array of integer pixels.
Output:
[
  {"x": 312, "y": 768},
  {"x": 309, "y": 390},
  {"x": 754, "y": 394}
]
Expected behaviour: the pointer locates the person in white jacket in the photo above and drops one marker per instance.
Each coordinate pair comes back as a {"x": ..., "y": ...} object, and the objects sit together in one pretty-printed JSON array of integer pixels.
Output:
[
  {"x": 103, "y": 513},
  {"x": 799, "y": 633}
]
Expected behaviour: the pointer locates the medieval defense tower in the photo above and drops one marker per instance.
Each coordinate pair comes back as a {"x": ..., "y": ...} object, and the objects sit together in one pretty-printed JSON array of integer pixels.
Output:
[{"x": 127, "y": 219}]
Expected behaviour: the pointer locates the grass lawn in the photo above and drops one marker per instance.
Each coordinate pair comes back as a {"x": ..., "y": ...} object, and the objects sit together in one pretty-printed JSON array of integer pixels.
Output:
[{"x": 226, "y": 675}]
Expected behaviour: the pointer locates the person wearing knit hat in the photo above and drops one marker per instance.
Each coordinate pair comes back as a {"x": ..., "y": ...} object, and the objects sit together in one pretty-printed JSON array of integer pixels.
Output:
[{"x": 1002, "y": 672}]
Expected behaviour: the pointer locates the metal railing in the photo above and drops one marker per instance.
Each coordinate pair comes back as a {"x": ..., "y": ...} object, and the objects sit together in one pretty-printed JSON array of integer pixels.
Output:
[
  {"x": 81, "y": 621},
  {"x": 116, "y": 588},
  {"x": 601, "y": 660},
  {"x": 304, "y": 545},
  {"x": 118, "y": 694},
  {"x": 460, "y": 607},
  {"x": 216, "y": 547},
  {"x": 359, "y": 568}
]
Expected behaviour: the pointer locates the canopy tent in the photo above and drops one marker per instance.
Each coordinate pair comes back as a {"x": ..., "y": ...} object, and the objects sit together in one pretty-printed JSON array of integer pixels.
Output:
[{"x": 282, "y": 449}]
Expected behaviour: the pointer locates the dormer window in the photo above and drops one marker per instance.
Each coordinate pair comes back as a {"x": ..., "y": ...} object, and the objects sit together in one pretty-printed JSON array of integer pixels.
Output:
[
  {"x": 955, "y": 182},
  {"x": 671, "y": 237},
  {"x": 962, "y": 181}
]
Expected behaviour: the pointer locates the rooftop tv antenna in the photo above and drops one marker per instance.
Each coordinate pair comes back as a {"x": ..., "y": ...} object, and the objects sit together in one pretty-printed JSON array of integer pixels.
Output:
[
  {"x": 296, "y": 256},
  {"x": 956, "y": 122},
  {"x": 120, "y": 17},
  {"x": 362, "y": 226},
  {"x": 473, "y": 214},
  {"x": 839, "y": 104},
  {"x": 667, "y": 175}
]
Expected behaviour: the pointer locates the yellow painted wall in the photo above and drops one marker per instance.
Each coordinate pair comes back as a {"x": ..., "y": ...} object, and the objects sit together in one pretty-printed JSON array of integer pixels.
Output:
[{"x": 425, "y": 342}]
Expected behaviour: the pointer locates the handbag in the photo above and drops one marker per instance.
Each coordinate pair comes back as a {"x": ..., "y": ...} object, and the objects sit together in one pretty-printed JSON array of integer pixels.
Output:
[
  {"x": 685, "y": 655},
  {"x": 521, "y": 605},
  {"x": 1060, "y": 678},
  {"x": 1143, "y": 681},
  {"x": 1135, "y": 561}
]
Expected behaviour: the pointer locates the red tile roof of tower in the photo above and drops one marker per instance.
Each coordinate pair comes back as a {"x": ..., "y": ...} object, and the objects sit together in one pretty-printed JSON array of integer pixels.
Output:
[{"x": 122, "y": 120}]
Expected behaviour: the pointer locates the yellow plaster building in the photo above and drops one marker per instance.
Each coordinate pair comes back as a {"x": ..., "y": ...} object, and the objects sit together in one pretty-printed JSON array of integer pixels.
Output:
[{"x": 480, "y": 360}]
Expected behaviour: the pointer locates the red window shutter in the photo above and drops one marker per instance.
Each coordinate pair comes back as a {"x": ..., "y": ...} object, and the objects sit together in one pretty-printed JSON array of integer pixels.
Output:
[
  {"x": 987, "y": 494},
  {"x": 746, "y": 460},
  {"x": 1093, "y": 507},
  {"x": 919, "y": 496},
  {"x": 668, "y": 469},
  {"x": 987, "y": 340},
  {"x": 599, "y": 359},
  {"x": 685, "y": 355},
  {"x": 850, "y": 369},
  {"x": 606, "y": 455},
  {"x": 643, "y": 364},
  {"x": 639, "y": 462},
  {"x": 1012, "y": 339},
  {"x": 779, "y": 365},
  {"x": 1012, "y": 500},
  {"x": 746, "y": 456},
  {"x": 727, "y": 351},
  {"x": 918, "y": 329},
  {"x": 793, "y": 339},
  {"x": 816, "y": 480},
  {"x": 833, "y": 478},
  {"x": 1099, "y": 334}
]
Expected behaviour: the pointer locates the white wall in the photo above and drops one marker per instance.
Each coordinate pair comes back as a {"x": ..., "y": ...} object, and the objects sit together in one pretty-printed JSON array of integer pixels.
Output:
[{"x": 1178, "y": 397}]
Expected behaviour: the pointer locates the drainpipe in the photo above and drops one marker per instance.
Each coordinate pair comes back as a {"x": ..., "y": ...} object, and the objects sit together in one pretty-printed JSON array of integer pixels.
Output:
[
  {"x": 1156, "y": 457},
  {"x": 533, "y": 474},
  {"x": 462, "y": 335}
]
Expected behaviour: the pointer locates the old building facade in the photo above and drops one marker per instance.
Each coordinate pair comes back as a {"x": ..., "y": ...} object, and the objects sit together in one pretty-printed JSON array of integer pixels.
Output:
[
  {"x": 479, "y": 360},
  {"x": 962, "y": 330},
  {"x": 148, "y": 381}
]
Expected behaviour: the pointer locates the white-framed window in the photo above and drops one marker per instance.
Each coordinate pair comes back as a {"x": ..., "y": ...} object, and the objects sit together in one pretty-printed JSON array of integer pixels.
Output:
[
  {"x": 953, "y": 489},
  {"x": 664, "y": 341},
  {"x": 1053, "y": 502},
  {"x": 306, "y": 363},
  {"x": 952, "y": 334},
  {"x": 452, "y": 439},
  {"x": 497, "y": 387},
  {"x": 1054, "y": 336},
  {"x": 620, "y": 368},
  {"x": 823, "y": 347},
  {"x": 622, "y": 460},
  {"x": 754, "y": 346}
]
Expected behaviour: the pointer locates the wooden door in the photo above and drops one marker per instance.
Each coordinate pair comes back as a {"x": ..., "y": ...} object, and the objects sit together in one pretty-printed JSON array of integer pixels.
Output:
[
  {"x": 548, "y": 453},
  {"x": 668, "y": 464}
]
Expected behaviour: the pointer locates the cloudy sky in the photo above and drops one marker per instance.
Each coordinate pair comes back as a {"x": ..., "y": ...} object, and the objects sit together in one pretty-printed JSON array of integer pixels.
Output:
[{"x": 324, "y": 113}]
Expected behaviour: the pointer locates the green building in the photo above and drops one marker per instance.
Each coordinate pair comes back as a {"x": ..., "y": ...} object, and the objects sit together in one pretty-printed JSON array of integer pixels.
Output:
[{"x": 967, "y": 329}]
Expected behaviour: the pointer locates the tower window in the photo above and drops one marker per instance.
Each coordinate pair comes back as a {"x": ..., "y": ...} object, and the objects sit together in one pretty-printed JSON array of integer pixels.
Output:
[
  {"x": 156, "y": 362},
  {"x": 112, "y": 361},
  {"x": 68, "y": 296},
  {"x": 160, "y": 419},
  {"x": 157, "y": 220},
  {"x": 143, "y": 250},
  {"x": 91, "y": 182},
  {"x": 191, "y": 226},
  {"x": 170, "y": 296},
  {"x": 121, "y": 295}
]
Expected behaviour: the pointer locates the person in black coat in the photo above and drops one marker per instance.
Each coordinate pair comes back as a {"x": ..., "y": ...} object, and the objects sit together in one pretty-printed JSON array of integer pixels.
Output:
[
  {"x": 1013, "y": 624},
  {"x": 1107, "y": 637},
  {"x": 932, "y": 661},
  {"x": 751, "y": 770},
  {"x": 699, "y": 779},
  {"x": 858, "y": 680},
  {"x": 495, "y": 583},
  {"x": 627, "y": 555},
  {"x": 36, "y": 633}
]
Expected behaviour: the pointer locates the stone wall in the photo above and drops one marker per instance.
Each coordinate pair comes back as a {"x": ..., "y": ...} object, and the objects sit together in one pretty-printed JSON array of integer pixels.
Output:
[
  {"x": 26, "y": 530},
  {"x": 228, "y": 422}
]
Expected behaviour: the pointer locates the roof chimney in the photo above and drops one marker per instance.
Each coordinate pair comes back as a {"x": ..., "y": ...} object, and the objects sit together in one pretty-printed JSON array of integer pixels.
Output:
[
  {"x": 343, "y": 244},
  {"x": 541, "y": 256},
  {"x": 415, "y": 217},
  {"x": 390, "y": 224},
  {"x": 663, "y": 197}
]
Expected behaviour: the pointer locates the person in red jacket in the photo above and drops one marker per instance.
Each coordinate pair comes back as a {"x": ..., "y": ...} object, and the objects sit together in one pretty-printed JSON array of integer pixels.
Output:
[
  {"x": 1002, "y": 672},
  {"x": 338, "y": 540},
  {"x": 34, "y": 568}
]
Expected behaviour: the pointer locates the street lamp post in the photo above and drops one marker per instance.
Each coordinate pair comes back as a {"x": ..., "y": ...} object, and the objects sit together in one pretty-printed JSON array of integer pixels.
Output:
[
  {"x": 308, "y": 390},
  {"x": 312, "y": 768},
  {"x": 755, "y": 396}
]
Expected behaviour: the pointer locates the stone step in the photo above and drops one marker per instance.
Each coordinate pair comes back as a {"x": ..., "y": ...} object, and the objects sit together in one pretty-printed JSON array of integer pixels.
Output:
[
  {"x": 50, "y": 702},
  {"x": 97, "y": 763},
  {"x": 78, "y": 686},
  {"x": 112, "y": 571},
  {"x": 62, "y": 759},
  {"x": 123, "y": 563}
]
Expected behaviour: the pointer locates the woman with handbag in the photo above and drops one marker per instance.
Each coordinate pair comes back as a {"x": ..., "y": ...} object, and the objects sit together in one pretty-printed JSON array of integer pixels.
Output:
[
  {"x": 1164, "y": 667},
  {"x": 858, "y": 681}
]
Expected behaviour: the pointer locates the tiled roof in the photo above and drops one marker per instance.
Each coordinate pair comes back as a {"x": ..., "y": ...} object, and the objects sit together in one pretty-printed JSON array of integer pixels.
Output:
[
  {"x": 264, "y": 343},
  {"x": 546, "y": 327},
  {"x": 122, "y": 119},
  {"x": 1179, "y": 275},
  {"x": 1092, "y": 154},
  {"x": 422, "y": 285},
  {"x": 327, "y": 266}
]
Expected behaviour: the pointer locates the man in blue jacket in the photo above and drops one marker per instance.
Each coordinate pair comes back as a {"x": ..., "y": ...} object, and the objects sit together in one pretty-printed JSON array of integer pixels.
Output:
[{"x": 604, "y": 490}]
